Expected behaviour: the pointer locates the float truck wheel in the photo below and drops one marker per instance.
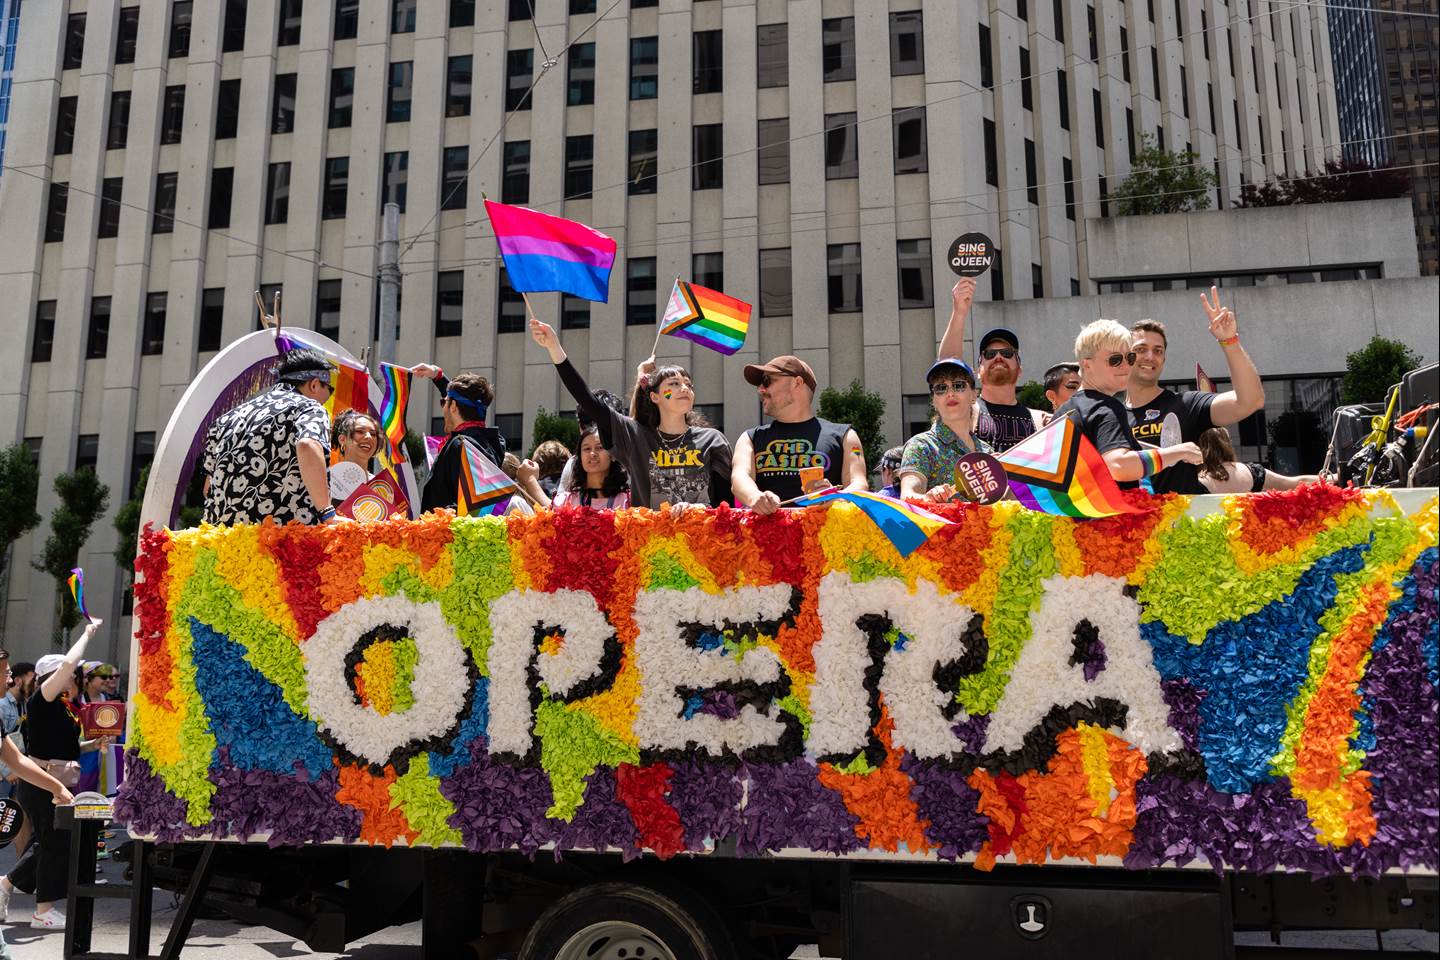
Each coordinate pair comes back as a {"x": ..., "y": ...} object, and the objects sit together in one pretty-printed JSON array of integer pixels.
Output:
[{"x": 625, "y": 921}]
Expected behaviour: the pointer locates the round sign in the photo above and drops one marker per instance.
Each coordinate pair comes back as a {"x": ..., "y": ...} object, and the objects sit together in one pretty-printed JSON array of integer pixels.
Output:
[
  {"x": 12, "y": 818},
  {"x": 1170, "y": 433},
  {"x": 980, "y": 478},
  {"x": 971, "y": 254}
]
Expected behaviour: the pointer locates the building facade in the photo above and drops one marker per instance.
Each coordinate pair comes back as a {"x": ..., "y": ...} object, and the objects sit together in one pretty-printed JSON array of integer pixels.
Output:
[
  {"x": 9, "y": 35},
  {"x": 1359, "y": 83},
  {"x": 168, "y": 158}
]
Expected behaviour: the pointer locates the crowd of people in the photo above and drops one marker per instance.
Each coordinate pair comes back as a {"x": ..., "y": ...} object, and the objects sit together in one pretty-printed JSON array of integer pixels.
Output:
[{"x": 268, "y": 456}]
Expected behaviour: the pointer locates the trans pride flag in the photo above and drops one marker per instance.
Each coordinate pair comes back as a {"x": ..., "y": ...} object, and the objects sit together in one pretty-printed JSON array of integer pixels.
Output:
[{"x": 542, "y": 252}]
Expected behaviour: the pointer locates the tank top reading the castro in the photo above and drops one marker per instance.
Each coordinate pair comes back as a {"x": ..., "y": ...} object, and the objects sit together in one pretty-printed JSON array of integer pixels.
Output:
[{"x": 781, "y": 449}]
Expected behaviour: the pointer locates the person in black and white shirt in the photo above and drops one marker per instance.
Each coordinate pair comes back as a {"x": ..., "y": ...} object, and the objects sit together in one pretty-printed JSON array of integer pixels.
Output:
[{"x": 267, "y": 457}]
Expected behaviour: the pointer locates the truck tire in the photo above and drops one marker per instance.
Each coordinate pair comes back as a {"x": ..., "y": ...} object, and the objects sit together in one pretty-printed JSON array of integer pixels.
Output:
[{"x": 626, "y": 921}]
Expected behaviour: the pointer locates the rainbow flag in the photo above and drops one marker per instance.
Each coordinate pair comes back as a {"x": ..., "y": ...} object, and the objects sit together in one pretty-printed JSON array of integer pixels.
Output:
[
  {"x": 904, "y": 525},
  {"x": 76, "y": 582},
  {"x": 1058, "y": 470},
  {"x": 482, "y": 483},
  {"x": 350, "y": 381},
  {"x": 542, "y": 252},
  {"x": 396, "y": 381},
  {"x": 707, "y": 317}
]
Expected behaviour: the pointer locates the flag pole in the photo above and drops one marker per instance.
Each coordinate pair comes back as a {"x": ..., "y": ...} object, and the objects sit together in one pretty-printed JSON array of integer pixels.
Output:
[{"x": 660, "y": 325}]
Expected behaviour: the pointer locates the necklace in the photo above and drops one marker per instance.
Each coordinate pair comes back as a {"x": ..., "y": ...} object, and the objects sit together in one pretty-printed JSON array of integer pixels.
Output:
[{"x": 668, "y": 442}]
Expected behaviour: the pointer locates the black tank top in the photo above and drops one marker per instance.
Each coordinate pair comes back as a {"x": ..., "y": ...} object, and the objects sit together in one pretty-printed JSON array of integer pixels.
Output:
[
  {"x": 51, "y": 731},
  {"x": 781, "y": 449}
]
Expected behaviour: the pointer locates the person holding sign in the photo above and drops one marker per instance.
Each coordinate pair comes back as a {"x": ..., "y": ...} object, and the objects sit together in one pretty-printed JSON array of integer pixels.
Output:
[
  {"x": 927, "y": 467},
  {"x": 1148, "y": 405},
  {"x": 1000, "y": 419}
]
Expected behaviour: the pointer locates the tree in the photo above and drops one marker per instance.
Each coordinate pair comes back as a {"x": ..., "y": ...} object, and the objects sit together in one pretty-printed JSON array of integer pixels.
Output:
[
  {"x": 863, "y": 410},
  {"x": 127, "y": 522},
  {"x": 1032, "y": 394},
  {"x": 1341, "y": 180},
  {"x": 83, "y": 499},
  {"x": 552, "y": 426},
  {"x": 19, "y": 487},
  {"x": 1374, "y": 368},
  {"x": 1162, "y": 181}
]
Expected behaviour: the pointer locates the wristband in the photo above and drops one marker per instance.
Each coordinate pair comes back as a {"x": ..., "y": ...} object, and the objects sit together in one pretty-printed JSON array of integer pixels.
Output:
[
  {"x": 327, "y": 514},
  {"x": 1150, "y": 462},
  {"x": 1229, "y": 341}
]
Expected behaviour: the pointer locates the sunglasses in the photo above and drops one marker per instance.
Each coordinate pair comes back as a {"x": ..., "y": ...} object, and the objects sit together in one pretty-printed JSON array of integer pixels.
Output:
[
  {"x": 1116, "y": 359},
  {"x": 771, "y": 378},
  {"x": 942, "y": 387},
  {"x": 1007, "y": 352}
]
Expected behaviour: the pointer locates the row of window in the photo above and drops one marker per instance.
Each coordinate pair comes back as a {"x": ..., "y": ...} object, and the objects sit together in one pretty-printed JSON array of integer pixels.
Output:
[{"x": 1261, "y": 278}]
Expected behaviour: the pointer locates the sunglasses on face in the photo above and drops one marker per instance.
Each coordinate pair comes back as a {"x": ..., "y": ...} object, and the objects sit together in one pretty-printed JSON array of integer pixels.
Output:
[
  {"x": 942, "y": 387},
  {"x": 1007, "y": 352},
  {"x": 1116, "y": 359},
  {"x": 771, "y": 379}
]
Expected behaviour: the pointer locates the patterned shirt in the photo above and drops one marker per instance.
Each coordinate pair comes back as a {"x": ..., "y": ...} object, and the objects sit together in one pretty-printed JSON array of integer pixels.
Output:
[
  {"x": 934, "y": 453},
  {"x": 251, "y": 461}
]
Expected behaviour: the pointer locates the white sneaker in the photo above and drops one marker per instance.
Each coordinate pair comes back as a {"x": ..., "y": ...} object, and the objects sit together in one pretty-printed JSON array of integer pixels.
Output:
[
  {"x": 51, "y": 919},
  {"x": 5, "y": 891}
]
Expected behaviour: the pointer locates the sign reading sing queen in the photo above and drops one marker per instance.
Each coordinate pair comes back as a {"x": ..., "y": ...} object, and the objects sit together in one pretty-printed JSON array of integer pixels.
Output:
[{"x": 1254, "y": 688}]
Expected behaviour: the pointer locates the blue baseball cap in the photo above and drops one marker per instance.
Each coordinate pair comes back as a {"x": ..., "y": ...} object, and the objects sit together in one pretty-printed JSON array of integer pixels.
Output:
[{"x": 944, "y": 362}]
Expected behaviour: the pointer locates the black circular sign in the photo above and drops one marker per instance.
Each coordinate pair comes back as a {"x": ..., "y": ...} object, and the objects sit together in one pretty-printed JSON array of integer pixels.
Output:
[
  {"x": 12, "y": 818},
  {"x": 980, "y": 478},
  {"x": 971, "y": 254}
]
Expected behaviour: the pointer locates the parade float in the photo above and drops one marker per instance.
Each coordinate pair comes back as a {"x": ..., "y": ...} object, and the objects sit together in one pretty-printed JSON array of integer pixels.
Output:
[{"x": 733, "y": 733}]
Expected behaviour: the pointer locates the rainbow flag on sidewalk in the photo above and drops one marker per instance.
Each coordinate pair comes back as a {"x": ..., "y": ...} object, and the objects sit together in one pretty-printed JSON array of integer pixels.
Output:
[
  {"x": 543, "y": 252},
  {"x": 1058, "y": 470},
  {"x": 707, "y": 317}
]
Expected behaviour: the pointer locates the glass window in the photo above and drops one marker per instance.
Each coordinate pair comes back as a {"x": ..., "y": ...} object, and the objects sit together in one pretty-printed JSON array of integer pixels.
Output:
[
  {"x": 118, "y": 132},
  {"x": 327, "y": 308},
  {"x": 709, "y": 62},
  {"x": 644, "y": 149},
  {"x": 580, "y": 74},
  {"x": 581, "y": 6},
  {"x": 142, "y": 454},
  {"x": 126, "y": 31},
  {"x": 708, "y": 270},
  {"x": 1067, "y": 173},
  {"x": 843, "y": 275},
  {"x": 453, "y": 188},
  {"x": 1032, "y": 187},
  {"x": 515, "y": 187},
  {"x": 397, "y": 104},
  {"x": 282, "y": 113},
  {"x": 87, "y": 451},
  {"x": 518, "y": 66},
  {"x": 639, "y": 291},
  {"x": 997, "y": 278},
  {"x": 342, "y": 96},
  {"x": 842, "y": 153},
  {"x": 402, "y": 16},
  {"x": 449, "y": 302},
  {"x": 512, "y": 307},
  {"x": 347, "y": 19},
  {"x": 1062, "y": 84},
  {"x": 579, "y": 166},
  {"x": 152, "y": 333},
  {"x": 574, "y": 313},
  {"x": 772, "y": 56},
  {"x": 462, "y": 13},
  {"x": 167, "y": 185},
  {"x": 907, "y": 43},
  {"x": 511, "y": 427},
  {"x": 774, "y": 150},
  {"x": 277, "y": 193},
  {"x": 458, "y": 80},
  {"x": 227, "y": 109},
  {"x": 837, "y": 48},
  {"x": 58, "y": 201},
  {"x": 910, "y": 152},
  {"x": 518, "y": 10},
  {"x": 212, "y": 319},
  {"x": 74, "y": 41},
  {"x": 109, "y": 212},
  {"x": 1037, "y": 281},
  {"x": 397, "y": 178},
  {"x": 1099, "y": 126},
  {"x": 776, "y": 299},
  {"x": 1027, "y": 97},
  {"x": 232, "y": 36},
  {"x": 337, "y": 188},
  {"x": 65, "y": 125},
  {"x": 181, "y": 12},
  {"x": 709, "y": 146},
  {"x": 992, "y": 163},
  {"x": 916, "y": 411},
  {"x": 97, "y": 336},
  {"x": 644, "y": 68},
  {"x": 44, "y": 343},
  {"x": 916, "y": 273},
  {"x": 987, "y": 68},
  {"x": 289, "y": 34},
  {"x": 222, "y": 182}
]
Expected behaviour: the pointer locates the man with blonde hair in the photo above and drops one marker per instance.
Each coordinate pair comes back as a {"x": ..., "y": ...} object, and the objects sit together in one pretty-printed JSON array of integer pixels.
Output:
[{"x": 1103, "y": 350}]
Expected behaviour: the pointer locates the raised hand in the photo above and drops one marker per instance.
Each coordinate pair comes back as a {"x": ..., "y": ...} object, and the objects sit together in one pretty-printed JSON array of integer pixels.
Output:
[
  {"x": 1182, "y": 453},
  {"x": 544, "y": 334},
  {"x": 962, "y": 295},
  {"x": 425, "y": 371},
  {"x": 1221, "y": 318}
]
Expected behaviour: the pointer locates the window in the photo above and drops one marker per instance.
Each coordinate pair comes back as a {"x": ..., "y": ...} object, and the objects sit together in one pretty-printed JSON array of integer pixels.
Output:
[
  {"x": 289, "y": 33},
  {"x": 578, "y": 7},
  {"x": 87, "y": 451},
  {"x": 644, "y": 68},
  {"x": 227, "y": 109},
  {"x": 639, "y": 291},
  {"x": 1022, "y": 10},
  {"x": 180, "y": 16},
  {"x": 518, "y": 10},
  {"x": 1155, "y": 71},
  {"x": 397, "y": 101},
  {"x": 511, "y": 427},
  {"x": 74, "y": 41},
  {"x": 1059, "y": 21},
  {"x": 462, "y": 13},
  {"x": 454, "y": 194},
  {"x": 843, "y": 274},
  {"x": 44, "y": 342},
  {"x": 277, "y": 193},
  {"x": 337, "y": 188},
  {"x": 1094, "y": 40},
  {"x": 126, "y": 31},
  {"x": 1124, "y": 54},
  {"x": 65, "y": 125},
  {"x": 97, "y": 337},
  {"x": 458, "y": 79},
  {"x": 580, "y": 75},
  {"x": 347, "y": 19},
  {"x": 579, "y": 166},
  {"x": 1062, "y": 84},
  {"x": 1185, "y": 92},
  {"x": 402, "y": 16},
  {"x": 515, "y": 186},
  {"x": 842, "y": 153},
  {"x": 987, "y": 67},
  {"x": 327, "y": 308},
  {"x": 574, "y": 313},
  {"x": 232, "y": 36},
  {"x": 910, "y": 153},
  {"x": 1099, "y": 126},
  {"x": 1210, "y": 99},
  {"x": 342, "y": 96},
  {"x": 152, "y": 333},
  {"x": 917, "y": 284},
  {"x": 396, "y": 178},
  {"x": 644, "y": 151},
  {"x": 1037, "y": 281},
  {"x": 222, "y": 182},
  {"x": 1032, "y": 189},
  {"x": 773, "y": 141},
  {"x": 708, "y": 270},
  {"x": 772, "y": 55},
  {"x": 166, "y": 187},
  {"x": 1027, "y": 96},
  {"x": 992, "y": 163},
  {"x": 776, "y": 296},
  {"x": 1067, "y": 172},
  {"x": 997, "y": 278},
  {"x": 1130, "y": 131},
  {"x": 709, "y": 62},
  {"x": 58, "y": 200},
  {"x": 142, "y": 454},
  {"x": 282, "y": 110},
  {"x": 449, "y": 302},
  {"x": 109, "y": 213},
  {"x": 212, "y": 319},
  {"x": 907, "y": 44},
  {"x": 1104, "y": 196},
  {"x": 512, "y": 307},
  {"x": 709, "y": 146},
  {"x": 517, "y": 79},
  {"x": 837, "y": 48}
]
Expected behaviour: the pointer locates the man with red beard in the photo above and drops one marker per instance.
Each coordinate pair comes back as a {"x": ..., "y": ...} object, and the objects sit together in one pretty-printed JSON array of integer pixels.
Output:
[{"x": 999, "y": 420}]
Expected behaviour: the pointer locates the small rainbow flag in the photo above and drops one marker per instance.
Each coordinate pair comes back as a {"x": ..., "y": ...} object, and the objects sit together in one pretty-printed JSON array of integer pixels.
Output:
[
  {"x": 481, "y": 482},
  {"x": 350, "y": 381},
  {"x": 707, "y": 317},
  {"x": 76, "y": 582},
  {"x": 904, "y": 525},
  {"x": 542, "y": 252},
  {"x": 396, "y": 381},
  {"x": 1058, "y": 470}
]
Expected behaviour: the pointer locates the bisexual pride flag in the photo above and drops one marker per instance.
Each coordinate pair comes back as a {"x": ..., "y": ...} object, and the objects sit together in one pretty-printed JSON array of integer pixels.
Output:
[
  {"x": 542, "y": 252},
  {"x": 707, "y": 317}
]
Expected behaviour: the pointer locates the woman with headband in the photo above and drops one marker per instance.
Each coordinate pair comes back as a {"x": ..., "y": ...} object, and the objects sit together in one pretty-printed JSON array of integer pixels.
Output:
[{"x": 466, "y": 404}]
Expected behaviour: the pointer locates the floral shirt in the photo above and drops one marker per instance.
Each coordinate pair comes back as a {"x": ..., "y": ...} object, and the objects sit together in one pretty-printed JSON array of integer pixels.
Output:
[
  {"x": 251, "y": 461},
  {"x": 934, "y": 453}
]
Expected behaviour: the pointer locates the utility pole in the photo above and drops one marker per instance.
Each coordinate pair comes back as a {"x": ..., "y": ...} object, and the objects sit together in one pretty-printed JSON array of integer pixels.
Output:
[{"x": 389, "y": 281}]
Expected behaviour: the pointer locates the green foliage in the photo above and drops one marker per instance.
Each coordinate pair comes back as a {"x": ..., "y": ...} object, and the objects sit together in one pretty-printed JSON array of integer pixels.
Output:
[
  {"x": 127, "y": 522},
  {"x": 1341, "y": 180},
  {"x": 1162, "y": 181},
  {"x": 83, "y": 499},
  {"x": 19, "y": 487},
  {"x": 414, "y": 448},
  {"x": 1032, "y": 394},
  {"x": 552, "y": 426},
  {"x": 864, "y": 411},
  {"x": 1372, "y": 370}
]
